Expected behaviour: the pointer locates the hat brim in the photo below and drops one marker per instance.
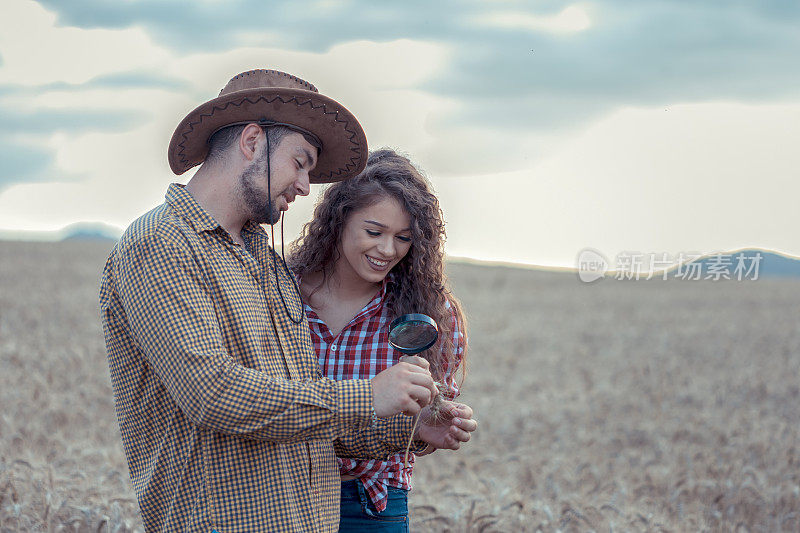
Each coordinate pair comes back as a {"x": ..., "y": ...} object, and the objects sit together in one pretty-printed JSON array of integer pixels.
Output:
[{"x": 344, "y": 144}]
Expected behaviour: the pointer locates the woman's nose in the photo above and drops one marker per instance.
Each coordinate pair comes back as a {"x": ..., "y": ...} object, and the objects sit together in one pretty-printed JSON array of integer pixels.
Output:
[{"x": 386, "y": 246}]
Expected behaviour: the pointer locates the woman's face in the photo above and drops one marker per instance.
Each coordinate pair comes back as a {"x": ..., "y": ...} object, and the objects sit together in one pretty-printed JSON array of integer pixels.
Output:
[{"x": 374, "y": 240}]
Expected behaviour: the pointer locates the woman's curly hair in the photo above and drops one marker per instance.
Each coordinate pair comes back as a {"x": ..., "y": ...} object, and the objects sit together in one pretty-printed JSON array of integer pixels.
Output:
[{"x": 418, "y": 282}]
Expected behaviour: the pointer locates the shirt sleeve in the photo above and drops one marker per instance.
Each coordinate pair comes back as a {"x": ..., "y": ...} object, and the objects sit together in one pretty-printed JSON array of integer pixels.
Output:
[
  {"x": 389, "y": 437},
  {"x": 173, "y": 321},
  {"x": 451, "y": 390}
]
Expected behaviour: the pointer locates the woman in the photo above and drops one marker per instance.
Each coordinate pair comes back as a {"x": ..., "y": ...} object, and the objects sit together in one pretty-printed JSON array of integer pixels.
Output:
[{"x": 375, "y": 251}]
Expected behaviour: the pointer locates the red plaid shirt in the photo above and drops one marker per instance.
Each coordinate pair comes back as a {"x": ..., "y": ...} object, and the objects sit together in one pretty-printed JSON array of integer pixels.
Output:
[{"x": 361, "y": 351}]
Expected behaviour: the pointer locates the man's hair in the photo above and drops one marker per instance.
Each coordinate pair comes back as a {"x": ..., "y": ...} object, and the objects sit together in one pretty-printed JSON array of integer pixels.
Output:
[{"x": 219, "y": 143}]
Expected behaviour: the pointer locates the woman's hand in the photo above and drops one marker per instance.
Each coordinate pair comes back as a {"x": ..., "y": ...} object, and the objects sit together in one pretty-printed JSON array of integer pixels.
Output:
[{"x": 453, "y": 425}]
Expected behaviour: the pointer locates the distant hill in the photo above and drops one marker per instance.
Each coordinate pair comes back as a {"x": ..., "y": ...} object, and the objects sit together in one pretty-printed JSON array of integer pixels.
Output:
[
  {"x": 770, "y": 264},
  {"x": 80, "y": 231},
  {"x": 764, "y": 263},
  {"x": 83, "y": 231}
]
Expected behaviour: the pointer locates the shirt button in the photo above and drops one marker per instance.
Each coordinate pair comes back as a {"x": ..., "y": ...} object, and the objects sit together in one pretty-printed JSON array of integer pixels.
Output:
[{"x": 333, "y": 347}]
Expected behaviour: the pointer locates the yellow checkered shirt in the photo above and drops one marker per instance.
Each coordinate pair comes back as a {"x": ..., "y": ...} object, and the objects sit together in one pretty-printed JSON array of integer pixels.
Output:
[{"x": 226, "y": 421}]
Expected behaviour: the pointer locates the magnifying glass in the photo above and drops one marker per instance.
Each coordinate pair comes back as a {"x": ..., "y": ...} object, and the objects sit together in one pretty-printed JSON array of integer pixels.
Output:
[{"x": 413, "y": 333}]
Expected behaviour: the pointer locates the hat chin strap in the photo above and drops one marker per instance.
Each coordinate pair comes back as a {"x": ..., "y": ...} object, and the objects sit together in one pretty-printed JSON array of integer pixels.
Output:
[{"x": 299, "y": 319}]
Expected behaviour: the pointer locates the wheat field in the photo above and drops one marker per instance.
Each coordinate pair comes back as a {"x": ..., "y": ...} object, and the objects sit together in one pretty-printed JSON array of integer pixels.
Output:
[{"x": 614, "y": 406}]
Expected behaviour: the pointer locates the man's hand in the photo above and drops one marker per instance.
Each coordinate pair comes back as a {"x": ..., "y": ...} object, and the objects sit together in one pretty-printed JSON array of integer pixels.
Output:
[
  {"x": 453, "y": 426},
  {"x": 405, "y": 388}
]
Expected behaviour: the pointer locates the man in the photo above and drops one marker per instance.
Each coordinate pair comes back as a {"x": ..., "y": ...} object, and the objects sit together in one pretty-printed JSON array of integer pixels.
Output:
[{"x": 225, "y": 421}]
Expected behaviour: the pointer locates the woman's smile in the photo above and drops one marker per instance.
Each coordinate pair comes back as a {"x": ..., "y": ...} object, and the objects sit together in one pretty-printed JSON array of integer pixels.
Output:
[{"x": 377, "y": 264}]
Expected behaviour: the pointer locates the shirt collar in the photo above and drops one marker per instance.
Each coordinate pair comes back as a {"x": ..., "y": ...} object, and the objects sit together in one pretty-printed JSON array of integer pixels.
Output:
[
  {"x": 372, "y": 307},
  {"x": 187, "y": 207},
  {"x": 252, "y": 227},
  {"x": 375, "y": 305}
]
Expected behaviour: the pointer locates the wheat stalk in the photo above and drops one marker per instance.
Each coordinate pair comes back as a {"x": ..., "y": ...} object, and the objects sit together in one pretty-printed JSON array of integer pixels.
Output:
[{"x": 436, "y": 408}]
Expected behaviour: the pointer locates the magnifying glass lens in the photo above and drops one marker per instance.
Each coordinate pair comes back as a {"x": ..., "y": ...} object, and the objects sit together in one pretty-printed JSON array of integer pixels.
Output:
[{"x": 413, "y": 333}]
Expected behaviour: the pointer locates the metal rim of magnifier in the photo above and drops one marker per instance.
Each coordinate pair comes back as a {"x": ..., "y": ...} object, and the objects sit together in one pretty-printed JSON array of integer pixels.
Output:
[{"x": 413, "y": 317}]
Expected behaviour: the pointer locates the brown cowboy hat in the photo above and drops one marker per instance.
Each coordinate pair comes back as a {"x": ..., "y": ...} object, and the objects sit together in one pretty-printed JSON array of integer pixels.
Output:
[{"x": 271, "y": 97}]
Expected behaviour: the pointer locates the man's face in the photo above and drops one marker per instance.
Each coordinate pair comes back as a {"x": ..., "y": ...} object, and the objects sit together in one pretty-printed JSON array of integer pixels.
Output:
[{"x": 291, "y": 161}]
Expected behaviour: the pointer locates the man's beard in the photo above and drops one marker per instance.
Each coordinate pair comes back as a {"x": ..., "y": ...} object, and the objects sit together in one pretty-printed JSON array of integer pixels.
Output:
[{"x": 262, "y": 209}]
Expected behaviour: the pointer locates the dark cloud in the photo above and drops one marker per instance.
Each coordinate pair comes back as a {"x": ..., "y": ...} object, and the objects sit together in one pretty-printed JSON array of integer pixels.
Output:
[
  {"x": 652, "y": 55},
  {"x": 211, "y": 26},
  {"x": 635, "y": 52},
  {"x": 119, "y": 80},
  {"x": 25, "y": 123},
  {"x": 508, "y": 80},
  {"x": 135, "y": 80},
  {"x": 23, "y": 162}
]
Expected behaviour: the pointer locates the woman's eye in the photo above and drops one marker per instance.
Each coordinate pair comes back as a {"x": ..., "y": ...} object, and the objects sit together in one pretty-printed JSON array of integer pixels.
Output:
[
  {"x": 373, "y": 233},
  {"x": 404, "y": 239},
  {"x": 299, "y": 166}
]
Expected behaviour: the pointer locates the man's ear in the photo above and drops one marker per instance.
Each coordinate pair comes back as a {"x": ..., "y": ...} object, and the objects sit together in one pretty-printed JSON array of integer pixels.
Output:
[{"x": 248, "y": 140}]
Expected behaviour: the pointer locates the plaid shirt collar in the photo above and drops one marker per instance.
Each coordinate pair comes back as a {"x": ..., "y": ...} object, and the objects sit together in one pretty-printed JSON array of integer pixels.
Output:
[
  {"x": 201, "y": 220},
  {"x": 372, "y": 308}
]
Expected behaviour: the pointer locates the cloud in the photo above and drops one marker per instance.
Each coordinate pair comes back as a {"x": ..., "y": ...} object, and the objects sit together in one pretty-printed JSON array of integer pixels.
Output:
[
  {"x": 119, "y": 147},
  {"x": 514, "y": 68},
  {"x": 692, "y": 177},
  {"x": 72, "y": 55},
  {"x": 27, "y": 146},
  {"x": 22, "y": 162},
  {"x": 76, "y": 85},
  {"x": 571, "y": 19},
  {"x": 544, "y": 113},
  {"x": 120, "y": 80},
  {"x": 133, "y": 79},
  {"x": 645, "y": 43},
  {"x": 27, "y": 123}
]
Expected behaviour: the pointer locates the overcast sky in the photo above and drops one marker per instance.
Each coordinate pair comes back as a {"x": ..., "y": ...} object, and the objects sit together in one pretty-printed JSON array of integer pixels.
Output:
[{"x": 545, "y": 127}]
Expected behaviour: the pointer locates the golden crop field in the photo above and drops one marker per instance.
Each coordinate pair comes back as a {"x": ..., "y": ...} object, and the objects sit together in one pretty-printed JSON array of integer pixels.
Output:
[{"x": 614, "y": 406}]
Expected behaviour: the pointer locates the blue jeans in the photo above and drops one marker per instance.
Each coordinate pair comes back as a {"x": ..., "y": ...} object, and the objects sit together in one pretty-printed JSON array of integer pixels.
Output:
[{"x": 359, "y": 514}]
